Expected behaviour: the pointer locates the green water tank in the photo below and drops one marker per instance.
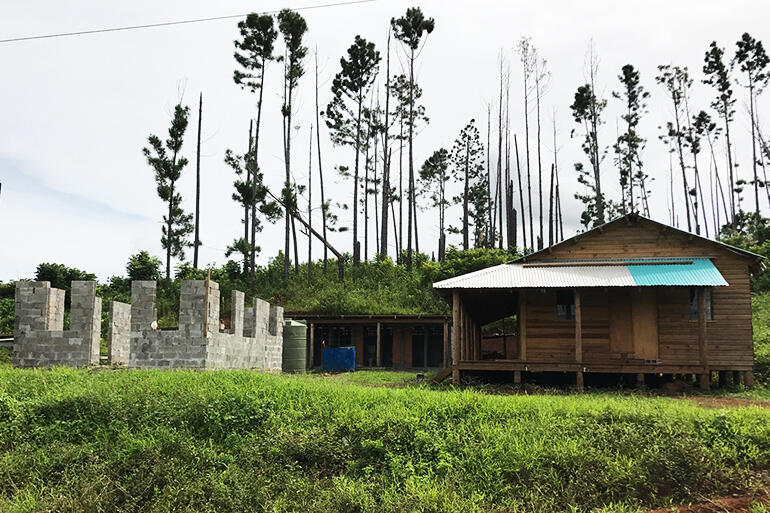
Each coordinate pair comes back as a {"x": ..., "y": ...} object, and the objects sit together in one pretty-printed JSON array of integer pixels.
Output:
[{"x": 294, "y": 346}]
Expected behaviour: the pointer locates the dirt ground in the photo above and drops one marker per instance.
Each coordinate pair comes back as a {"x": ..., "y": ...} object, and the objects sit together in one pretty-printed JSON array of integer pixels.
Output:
[
  {"x": 726, "y": 402},
  {"x": 722, "y": 505}
]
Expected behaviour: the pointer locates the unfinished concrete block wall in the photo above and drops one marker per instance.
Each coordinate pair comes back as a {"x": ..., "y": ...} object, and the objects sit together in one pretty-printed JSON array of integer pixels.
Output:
[
  {"x": 254, "y": 340},
  {"x": 39, "y": 338},
  {"x": 119, "y": 334},
  {"x": 199, "y": 343}
]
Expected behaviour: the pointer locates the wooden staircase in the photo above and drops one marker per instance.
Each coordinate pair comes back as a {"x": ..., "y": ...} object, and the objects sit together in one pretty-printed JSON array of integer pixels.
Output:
[{"x": 442, "y": 375}]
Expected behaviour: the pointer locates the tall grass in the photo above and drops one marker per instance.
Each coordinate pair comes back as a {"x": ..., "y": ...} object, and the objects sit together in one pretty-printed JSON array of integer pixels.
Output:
[{"x": 74, "y": 440}]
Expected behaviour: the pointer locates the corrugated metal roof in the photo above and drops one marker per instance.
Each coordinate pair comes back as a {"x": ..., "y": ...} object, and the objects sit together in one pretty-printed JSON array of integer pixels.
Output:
[
  {"x": 633, "y": 216},
  {"x": 592, "y": 273},
  {"x": 701, "y": 272}
]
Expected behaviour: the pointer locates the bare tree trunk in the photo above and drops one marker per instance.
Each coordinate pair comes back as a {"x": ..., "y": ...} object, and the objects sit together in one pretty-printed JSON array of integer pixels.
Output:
[
  {"x": 366, "y": 185},
  {"x": 295, "y": 215},
  {"x": 466, "y": 187},
  {"x": 386, "y": 160},
  {"x": 197, "y": 242},
  {"x": 374, "y": 182},
  {"x": 411, "y": 163},
  {"x": 730, "y": 166},
  {"x": 753, "y": 146},
  {"x": 287, "y": 184},
  {"x": 356, "y": 244},
  {"x": 246, "y": 207},
  {"x": 500, "y": 155},
  {"x": 491, "y": 226},
  {"x": 509, "y": 222},
  {"x": 253, "y": 255},
  {"x": 320, "y": 168},
  {"x": 310, "y": 206},
  {"x": 550, "y": 210},
  {"x": 401, "y": 189},
  {"x": 539, "y": 160},
  {"x": 521, "y": 197}
]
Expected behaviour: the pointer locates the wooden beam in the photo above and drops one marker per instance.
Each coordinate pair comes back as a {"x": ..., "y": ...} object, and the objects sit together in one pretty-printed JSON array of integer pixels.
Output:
[
  {"x": 522, "y": 325},
  {"x": 425, "y": 339},
  {"x": 379, "y": 344},
  {"x": 455, "y": 336},
  {"x": 447, "y": 357},
  {"x": 702, "y": 327},
  {"x": 578, "y": 327},
  {"x": 312, "y": 345}
]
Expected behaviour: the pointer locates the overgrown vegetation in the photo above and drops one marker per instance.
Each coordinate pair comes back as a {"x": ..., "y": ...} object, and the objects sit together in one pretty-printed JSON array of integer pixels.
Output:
[
  {"x": 74, "y": 440},
  {"x": 375, "y": 287}
]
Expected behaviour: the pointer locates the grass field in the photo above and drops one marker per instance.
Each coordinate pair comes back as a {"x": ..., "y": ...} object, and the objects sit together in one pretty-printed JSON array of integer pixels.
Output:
[{"x": 79, "y": 440}]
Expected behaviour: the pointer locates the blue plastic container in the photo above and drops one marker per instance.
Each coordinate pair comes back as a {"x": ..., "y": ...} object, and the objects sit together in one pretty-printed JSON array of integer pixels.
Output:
[{"x": 339, "y": 359}]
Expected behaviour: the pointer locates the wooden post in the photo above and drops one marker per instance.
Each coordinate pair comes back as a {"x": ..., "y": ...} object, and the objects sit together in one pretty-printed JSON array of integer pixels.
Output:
[
  {"x": 522, "y": 325},
  {"x": 446, "y": 358},
  {"x": 578, "y": 329},
  {"x": 425, "y": 340},
  {"x": 455, "y": 336},
  {"x": 579, "y": 381},
  {"x": 704, "y": 378},
  {"x": 312, "y": 346},
  {"x": 640, "y": 380},
  {"x": 517, "y": 377},
  {"x": 736, "y": 378},
  {"x": 379, "y": 344},
  {"x": 748, "y": 378}
]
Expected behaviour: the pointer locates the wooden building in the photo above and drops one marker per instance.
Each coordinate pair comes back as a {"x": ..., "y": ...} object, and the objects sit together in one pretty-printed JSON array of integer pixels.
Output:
[
  {"x": 632, "y": 296},
  {"x": 389, "y": 341}
]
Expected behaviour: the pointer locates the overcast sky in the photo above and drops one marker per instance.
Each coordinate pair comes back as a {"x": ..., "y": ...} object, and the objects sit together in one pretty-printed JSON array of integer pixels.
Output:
[{"x": 75, "y": 112}]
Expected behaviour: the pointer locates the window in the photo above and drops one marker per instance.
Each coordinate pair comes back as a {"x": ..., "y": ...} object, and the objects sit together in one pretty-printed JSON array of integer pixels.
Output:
[
  {"x": 694, "y": 304},
  {"x": 565, "y": 305}
]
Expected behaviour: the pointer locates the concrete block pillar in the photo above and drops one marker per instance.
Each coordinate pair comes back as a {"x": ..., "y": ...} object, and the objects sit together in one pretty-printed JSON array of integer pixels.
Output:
[
  {"x": 31, "y": 311},
  {"x": 236, "y": 313},
  {"x": 248, "y": 321},
  {"x": 144, "y": 314},
  {"x": 86, "y": 316},
  {"x": 119, "y": 334},
  {"x": 261, "y": 317},
  {"x": 275, "y": 323},
  {"x": 56, "y": 310},
  {"x": 198, "y": 308}
]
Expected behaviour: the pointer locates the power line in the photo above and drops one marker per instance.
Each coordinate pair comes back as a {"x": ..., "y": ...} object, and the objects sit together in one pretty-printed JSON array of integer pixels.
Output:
[{"x": 168, "y": 23}]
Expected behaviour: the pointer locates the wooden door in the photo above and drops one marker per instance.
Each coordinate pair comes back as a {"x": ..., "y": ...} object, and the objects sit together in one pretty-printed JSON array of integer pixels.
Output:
[
  {"x": 621, "y": 334},
  {"x": 645, "y": 323}
]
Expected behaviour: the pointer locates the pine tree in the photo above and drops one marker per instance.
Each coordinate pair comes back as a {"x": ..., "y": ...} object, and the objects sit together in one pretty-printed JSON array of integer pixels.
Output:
[
  {"x": 292, "y": 27},
  {"x": 467, "y": 160},
  {"x": 409, "y": 29},
  {"x": 253, "y": 51},
  {"x": 629, "y": 144},
  {"x": 164, "y": 159},
  {"x": 587, "y": 110},
  {"x": 433, "y": 181},
  {"x": 717, "y": 75},
  {"x": 346, "y": 112},
  {"x": 753, "y": 61}
]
